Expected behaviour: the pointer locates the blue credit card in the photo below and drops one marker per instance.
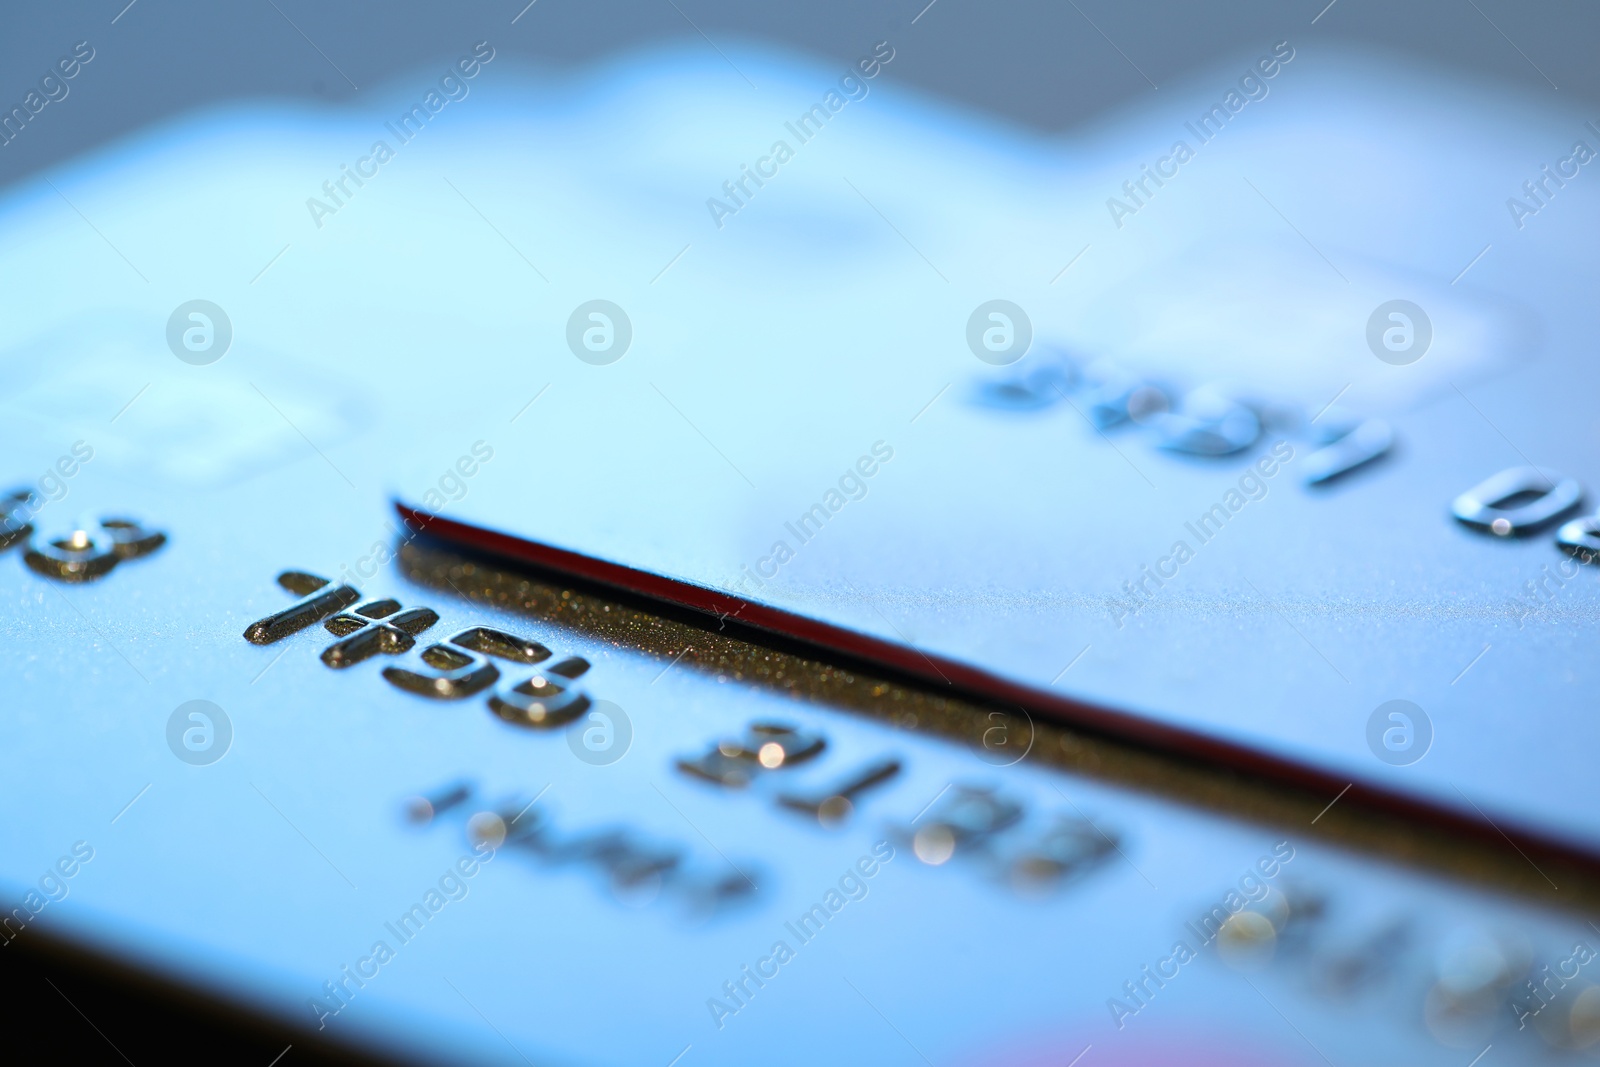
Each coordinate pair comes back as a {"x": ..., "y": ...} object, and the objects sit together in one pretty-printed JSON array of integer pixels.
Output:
[
  {"x": 266, "y": 741},
  {"x": 1284, "y": 450}
]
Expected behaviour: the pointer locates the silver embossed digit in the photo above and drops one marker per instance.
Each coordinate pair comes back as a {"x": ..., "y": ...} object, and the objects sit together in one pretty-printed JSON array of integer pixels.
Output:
[
  {"x": 1517, "y": 501},
  {"x": 461, "y": 666}
]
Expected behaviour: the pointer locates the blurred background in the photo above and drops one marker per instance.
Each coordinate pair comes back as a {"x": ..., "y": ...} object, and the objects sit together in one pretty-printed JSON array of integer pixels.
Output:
[{"x": 1045, "y": 65}]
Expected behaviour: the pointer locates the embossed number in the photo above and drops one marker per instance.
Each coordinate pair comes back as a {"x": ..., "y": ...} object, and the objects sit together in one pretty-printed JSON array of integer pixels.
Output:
[
  {"x": 460, "y": 666},
  {"x": 1517, "y": 501},
  {"x": 378, "y": 626},
  {"x": 91, "y": 550},
  {"x": 319, "y": 598},
  {"x": 545, "y": 700}
]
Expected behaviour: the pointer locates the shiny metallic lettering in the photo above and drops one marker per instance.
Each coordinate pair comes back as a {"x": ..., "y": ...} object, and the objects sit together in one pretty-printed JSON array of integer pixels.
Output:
[
  {"x": 545, "y": 699},
  {"x": 1362, "y": 443},
  {"x": 14, "y": 522},
  {"x": 1581, "y": 538},
  {"x": 378, "y": 626},
  {"x": 1538, "y": 499},
  {"x": 1208, "y": 424},
  {"x": 765, "y": 746},
  {"x": 92, "y": 550},
  {"x": 461, "y": 666},
  {"x": 833, "y": 806},
  {"x": 317, "y": 601}
]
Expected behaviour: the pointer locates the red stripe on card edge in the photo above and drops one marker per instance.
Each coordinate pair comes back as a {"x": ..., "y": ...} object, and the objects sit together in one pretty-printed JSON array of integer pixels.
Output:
[{"x": 939, "y": 672}]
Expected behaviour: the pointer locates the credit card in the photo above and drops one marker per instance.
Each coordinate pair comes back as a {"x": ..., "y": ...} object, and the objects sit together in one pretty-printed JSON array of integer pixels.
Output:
[
  {"x": 430, "y": 816},
  {"x": 1282, "y": 454},
  {"x": 268, "y": 743}
]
